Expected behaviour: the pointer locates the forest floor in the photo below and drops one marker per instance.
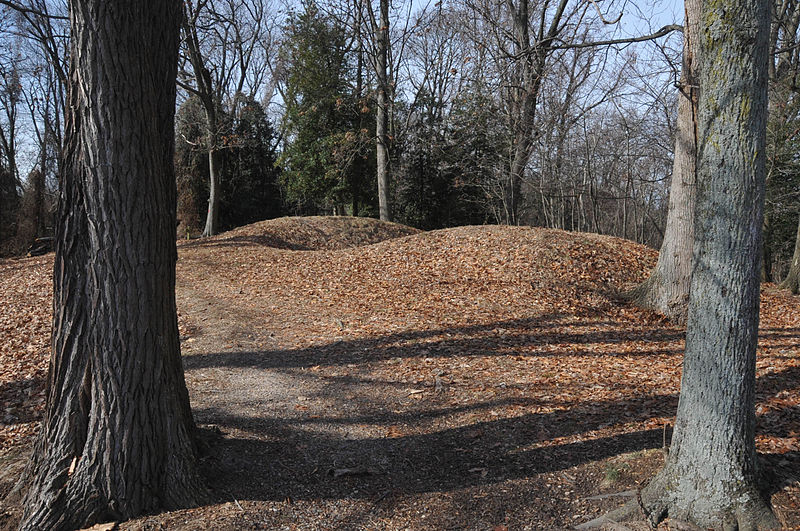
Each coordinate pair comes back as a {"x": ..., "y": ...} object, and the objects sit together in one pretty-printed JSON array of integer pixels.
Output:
[{"x": 349, "y": 374}]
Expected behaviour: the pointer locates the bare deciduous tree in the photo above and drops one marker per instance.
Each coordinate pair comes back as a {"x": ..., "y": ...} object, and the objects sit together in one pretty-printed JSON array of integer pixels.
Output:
[
  {"x": 710, "y": 476},
  {"x": 226, "y": 47},
  {"x": 667, "y": 288}
]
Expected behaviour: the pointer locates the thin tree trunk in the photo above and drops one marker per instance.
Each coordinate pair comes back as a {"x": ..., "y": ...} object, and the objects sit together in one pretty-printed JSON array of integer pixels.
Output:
[
  {"x": 37, "y": 184},
  {"x": 212, "y": 215},
  {"x": 204, "y": 90},
  {"x": 792, "y": 280},
  {"x": 766, "y": 264},
  {"x": 117, "y": 437},
  {"x": 667, "y": 288},
  {"x": 41, "y": 220},
  {"x": 382, "y": 115},
  {"x": 358, "y": 170}
]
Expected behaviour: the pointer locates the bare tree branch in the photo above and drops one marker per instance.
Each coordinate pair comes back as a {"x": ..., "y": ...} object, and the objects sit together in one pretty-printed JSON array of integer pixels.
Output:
[
  {"x": 602, "y": 17},
  {"x": 666, "y": 30},
  {"x": 29, "y": 10}
]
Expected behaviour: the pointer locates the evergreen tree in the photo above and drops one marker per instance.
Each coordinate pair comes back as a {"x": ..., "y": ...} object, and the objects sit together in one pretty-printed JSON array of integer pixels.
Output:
[
  {"x": 191, "y": 166},
  {"x": 250, "y": 189},
  {"x": 322, "y": 117},
  {"x": 9, "y": 204},
  {"x": 444, "y": 168}
]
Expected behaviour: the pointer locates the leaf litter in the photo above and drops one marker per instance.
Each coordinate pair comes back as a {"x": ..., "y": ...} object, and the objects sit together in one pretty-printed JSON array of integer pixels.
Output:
[{"x": 484, "y": 377}]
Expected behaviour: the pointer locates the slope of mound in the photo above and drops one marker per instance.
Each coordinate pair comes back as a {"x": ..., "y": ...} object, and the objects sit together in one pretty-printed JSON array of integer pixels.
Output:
[
  {"x": 313, "y": 233},
  {"x": 476, "y": 274}
]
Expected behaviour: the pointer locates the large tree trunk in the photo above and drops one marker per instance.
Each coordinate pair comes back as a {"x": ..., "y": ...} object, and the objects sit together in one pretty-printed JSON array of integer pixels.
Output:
[
  {"x": 667, "y": 288},
  {"x": 117, "y": 437},
  {"x": 792, "y": 280},
  {"x": 382, "y": 114},
  {"x": 710, "y": 477}
]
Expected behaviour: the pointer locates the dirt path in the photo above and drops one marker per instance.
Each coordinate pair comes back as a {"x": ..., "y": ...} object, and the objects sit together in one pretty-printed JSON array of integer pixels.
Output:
[{"x": 311, "y": 428}]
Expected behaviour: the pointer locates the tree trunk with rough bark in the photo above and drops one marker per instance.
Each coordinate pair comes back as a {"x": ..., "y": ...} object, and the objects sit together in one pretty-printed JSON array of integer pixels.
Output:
[
  {"x": 710, "y": 476},
  {"x": 792, "y": 280},
  {"x": 667, "y": 288},
  {"x": 117, "y": 438},
  {"x": 382, "y": 114}
]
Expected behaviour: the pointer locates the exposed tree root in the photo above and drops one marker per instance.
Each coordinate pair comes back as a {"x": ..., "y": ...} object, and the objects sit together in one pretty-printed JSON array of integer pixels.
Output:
[
  {"x": 81, "y": 502},
  {"x": 624, "y": 513},
  {"x": 652, "y": 295},
  {"x": 747, "y": 511}
]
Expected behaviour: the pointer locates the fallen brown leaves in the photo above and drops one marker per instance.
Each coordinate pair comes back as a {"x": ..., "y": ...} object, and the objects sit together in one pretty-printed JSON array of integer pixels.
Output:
[
  {"x": 25, "y": 318},
  {"x": 512, "y": 341}
]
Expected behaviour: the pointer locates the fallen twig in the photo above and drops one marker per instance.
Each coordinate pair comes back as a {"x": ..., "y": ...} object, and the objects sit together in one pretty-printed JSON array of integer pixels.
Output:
[{"x": 625, "y": 494}]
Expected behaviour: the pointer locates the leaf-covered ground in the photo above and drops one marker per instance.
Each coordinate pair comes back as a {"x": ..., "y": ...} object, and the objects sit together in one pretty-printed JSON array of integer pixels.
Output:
[{"x": 350, "y": 374}]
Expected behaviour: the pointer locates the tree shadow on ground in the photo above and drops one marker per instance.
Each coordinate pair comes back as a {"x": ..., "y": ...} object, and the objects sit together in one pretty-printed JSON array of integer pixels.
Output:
[
  {"x": 281, "y": 460},
  {"x": 17, "y": 399},
  {"x": 365, "y": 446},
  {"x": 485, "y": 339}
]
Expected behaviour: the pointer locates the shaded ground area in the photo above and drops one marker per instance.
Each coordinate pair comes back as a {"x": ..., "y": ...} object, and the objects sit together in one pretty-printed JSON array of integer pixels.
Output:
[{"x": 472, "y": 378}]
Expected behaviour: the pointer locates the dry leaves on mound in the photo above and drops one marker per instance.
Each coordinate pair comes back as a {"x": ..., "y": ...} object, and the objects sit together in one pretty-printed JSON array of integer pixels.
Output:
[{"x": 314, "y": 233}]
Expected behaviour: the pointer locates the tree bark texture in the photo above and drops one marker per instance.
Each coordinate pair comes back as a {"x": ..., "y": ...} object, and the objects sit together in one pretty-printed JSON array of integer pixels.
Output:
[
  {"x": 792, "y": 280},
  {"x": 524, "y": 115},
  {"x": 382, "y": 114},
  {"x": 667, "y": 288},
  {"x": 117, "y": 437},
  {"x": 710, "y": 477}
]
